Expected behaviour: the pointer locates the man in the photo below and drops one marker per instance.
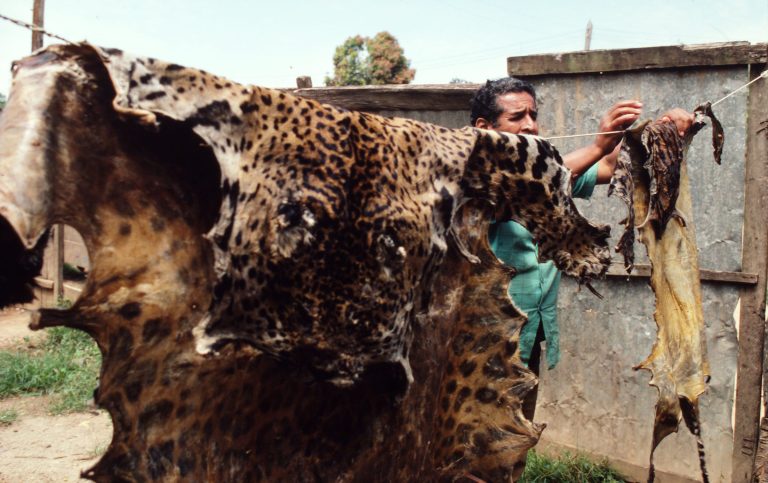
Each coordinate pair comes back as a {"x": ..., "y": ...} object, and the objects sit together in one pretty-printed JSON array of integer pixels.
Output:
[{"x": 509, "y": 105}]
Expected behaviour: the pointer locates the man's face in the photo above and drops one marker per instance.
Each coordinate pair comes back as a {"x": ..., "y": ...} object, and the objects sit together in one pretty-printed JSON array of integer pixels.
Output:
[{"x": 518, "y": 114}]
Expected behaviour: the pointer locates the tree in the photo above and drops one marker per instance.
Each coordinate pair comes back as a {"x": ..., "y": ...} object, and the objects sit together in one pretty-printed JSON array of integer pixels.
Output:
[
  {"x": 363, "y": 61},
  {"x": 2, "y": 101},
  {"x": 348, "y": 64},
  {"x": 386, "y": 61}
]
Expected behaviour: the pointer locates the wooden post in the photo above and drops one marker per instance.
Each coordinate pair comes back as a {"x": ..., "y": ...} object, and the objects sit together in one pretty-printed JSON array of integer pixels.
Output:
[
  {"x": 588, "y": 36},
  {"x": 38, "y": 11},
  {"x": 754, "y": 258},
  {"x": 38, "y": 14},
  {"x": 304, "y": 82},
  {"x": 58, "y": 255}
]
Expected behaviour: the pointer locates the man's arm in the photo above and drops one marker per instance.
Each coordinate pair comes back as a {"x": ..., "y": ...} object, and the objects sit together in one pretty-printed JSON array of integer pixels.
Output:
[
  {"x": 605, "y": 149},
  {"x": 618, "y": 118}
]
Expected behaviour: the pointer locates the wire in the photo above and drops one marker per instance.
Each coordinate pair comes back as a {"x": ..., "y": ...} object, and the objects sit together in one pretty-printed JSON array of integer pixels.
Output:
[
  {"x": 763, "y": 75},
  {"x": 34, "y": 28},
  {"x": 581, "y": 135}
]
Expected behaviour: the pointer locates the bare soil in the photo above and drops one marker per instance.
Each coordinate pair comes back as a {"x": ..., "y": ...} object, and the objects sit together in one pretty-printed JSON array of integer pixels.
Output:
[{"x": 37, "y": 446}]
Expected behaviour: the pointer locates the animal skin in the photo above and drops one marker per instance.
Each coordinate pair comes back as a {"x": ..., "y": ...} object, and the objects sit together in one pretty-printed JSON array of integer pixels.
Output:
[
  {"x": 282, "y": 290},
  {"x": 651, "y": 177}
]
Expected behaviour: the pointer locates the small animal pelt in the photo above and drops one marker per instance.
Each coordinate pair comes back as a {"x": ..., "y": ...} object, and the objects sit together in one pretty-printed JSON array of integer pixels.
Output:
[{"x": 651, "y": 177}]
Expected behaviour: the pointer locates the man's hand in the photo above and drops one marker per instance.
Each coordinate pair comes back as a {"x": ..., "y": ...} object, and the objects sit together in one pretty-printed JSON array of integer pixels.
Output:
[
  {"x": 618, "y": 118},
  {"x": 682, "y": 119}
]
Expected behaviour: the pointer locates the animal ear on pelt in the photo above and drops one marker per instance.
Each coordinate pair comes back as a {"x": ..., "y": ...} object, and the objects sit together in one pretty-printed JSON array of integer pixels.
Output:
[
  {"x": 120, "y": 80},
  {"x": 143, "y": 117}
]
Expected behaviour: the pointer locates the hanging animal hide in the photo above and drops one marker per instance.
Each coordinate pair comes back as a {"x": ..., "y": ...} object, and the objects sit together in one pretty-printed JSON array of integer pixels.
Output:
[
  {"x": 282, "y": 290},
  {"x": 651, "y": 177}
]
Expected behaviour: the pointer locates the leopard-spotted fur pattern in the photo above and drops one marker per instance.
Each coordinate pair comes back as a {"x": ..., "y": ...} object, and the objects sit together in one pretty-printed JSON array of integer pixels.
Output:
[{"x": 283, "y": 290}]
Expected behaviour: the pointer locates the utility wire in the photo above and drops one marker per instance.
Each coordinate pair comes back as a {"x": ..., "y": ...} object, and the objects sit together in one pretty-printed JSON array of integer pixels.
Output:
[{"x": 34, "y": 28}]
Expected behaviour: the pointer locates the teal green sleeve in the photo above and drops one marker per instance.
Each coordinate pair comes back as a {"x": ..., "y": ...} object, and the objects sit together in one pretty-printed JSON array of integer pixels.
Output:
[
  {"x": 513, "y": 245},
  {"x": 585, "y": 184}
]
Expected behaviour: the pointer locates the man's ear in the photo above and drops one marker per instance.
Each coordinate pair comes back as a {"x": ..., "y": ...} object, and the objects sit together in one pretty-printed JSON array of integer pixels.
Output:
[{"x": 483, "y": 123}]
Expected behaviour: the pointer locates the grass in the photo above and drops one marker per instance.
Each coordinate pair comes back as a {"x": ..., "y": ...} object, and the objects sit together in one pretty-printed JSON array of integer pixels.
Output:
[
  {"x": 99, "y": 450},
  {"x": 65, "y": 365},
  {"x": 8, "y": 416},
  {"x": 568, "y": 468}
]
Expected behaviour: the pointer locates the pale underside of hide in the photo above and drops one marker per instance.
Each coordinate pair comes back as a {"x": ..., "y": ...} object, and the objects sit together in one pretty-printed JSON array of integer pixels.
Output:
[
  {"x": 651, "y": 177},
  {"x": 282, "y": 290}
]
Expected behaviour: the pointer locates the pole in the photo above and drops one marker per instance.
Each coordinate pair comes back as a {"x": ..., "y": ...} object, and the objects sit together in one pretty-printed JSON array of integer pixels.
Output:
[
  {"x": 38, "y": 11},
  {"x": 38, "y": 14},
  {"x": 588, "y": 35}
]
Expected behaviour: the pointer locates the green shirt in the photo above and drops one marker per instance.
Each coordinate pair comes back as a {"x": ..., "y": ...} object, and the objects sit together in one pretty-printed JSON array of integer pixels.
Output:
[{"x": 534, "y": 287}]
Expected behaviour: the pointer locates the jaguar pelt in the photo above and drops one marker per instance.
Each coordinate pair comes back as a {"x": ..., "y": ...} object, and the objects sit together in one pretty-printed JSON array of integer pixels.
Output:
[{"x": 283, "y": 290}]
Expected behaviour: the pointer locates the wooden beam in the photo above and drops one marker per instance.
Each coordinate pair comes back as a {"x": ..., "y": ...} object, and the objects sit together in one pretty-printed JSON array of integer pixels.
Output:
[
  {"x": 754, "y": 259},
  {"x": 644, "y": 271},
  {"x": 671, "y": 57},
  {"x": 395, "y": 97}
]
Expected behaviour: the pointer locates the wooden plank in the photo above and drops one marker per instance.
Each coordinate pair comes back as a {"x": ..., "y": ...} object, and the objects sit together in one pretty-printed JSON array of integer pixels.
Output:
[
  {"x": 395, "y": 97},
  {"x": 754, "y": 254},
  {"x": 58, "y": 267},
  {"x": 670, "y": 57},
  {"x": 644, "y": 271},
  {"x": 44, "y": 283}
]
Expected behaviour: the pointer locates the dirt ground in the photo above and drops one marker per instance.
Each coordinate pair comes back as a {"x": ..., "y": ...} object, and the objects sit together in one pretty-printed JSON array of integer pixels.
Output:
[{"x": 37, "y": 446}]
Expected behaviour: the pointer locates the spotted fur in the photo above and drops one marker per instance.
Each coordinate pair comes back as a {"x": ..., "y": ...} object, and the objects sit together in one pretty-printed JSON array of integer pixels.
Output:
[{"x": 284, "y": 290}]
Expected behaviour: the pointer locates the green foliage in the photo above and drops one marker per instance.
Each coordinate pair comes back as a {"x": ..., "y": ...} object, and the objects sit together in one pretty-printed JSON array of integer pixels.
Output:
[
  {"x": 8, "y": 416},
  {"x": 568, "y": 468},
  {"x": 364, "y": 61},
  {"x": 349, "y": 63},
  {"x": 99, "y": 450},
  {"x": 63, "y": 303},
  {"x": 71, "y": 272},
  {"x": 386, "y": 61},
  {"x": 66, "y": 365},
  {"x": 3, "y": 100}
]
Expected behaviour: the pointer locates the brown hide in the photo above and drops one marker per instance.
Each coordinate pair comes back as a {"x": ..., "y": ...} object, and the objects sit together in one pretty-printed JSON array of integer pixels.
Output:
[
  {"x": 651, "y": 177},
  {"x": 282, "y": 290}
]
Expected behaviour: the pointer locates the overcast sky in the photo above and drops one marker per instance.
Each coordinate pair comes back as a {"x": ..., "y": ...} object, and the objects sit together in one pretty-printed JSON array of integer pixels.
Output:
[{"x": 271, "y": 43}]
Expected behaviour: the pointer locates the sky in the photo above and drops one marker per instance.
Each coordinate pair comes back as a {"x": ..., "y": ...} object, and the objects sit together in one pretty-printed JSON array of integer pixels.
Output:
[{"x": 270, "y": 43}]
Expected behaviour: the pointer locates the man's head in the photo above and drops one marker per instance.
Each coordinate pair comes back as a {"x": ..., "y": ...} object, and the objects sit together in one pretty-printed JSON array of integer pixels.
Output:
[{"x": 507, "y": 104}]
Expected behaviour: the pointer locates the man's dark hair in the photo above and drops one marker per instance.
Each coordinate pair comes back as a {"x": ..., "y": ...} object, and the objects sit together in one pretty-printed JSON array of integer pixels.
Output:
[{"x": 483, "y": 103}]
